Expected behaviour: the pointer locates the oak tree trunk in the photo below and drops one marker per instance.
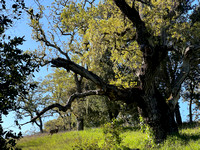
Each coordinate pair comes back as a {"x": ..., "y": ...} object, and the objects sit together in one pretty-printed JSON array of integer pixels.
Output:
[
  {"x": 158, "y": 116},
  {"x": 178, "y": 115},
  {"x": 80, "y": 119},
  {"x": 40, "y": 124}
]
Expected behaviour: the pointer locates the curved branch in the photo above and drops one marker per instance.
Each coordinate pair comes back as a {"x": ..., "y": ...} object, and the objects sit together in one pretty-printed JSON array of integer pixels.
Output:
[
  {"x": 68, "y": 105},
  {"x": 113, "y": 92}
]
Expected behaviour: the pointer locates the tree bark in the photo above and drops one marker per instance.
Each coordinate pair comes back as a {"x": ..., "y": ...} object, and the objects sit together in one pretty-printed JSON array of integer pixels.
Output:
[
  {"x": 154, "y": 108},
  {"x": 192, "y": 87},
  {"x": 178, "y": 115},
  {"x": 80, "y": 125},
  {"x": 40, "y": 124},
  {"x": 158, "y": 116}
]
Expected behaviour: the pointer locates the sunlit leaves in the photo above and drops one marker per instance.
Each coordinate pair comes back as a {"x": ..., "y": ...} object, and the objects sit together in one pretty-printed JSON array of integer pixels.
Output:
[{"x": 103, "y": 28}]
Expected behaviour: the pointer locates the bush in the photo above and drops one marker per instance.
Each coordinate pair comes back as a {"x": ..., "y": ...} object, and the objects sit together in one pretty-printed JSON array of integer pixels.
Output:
[{"x": 111, "y": 134}]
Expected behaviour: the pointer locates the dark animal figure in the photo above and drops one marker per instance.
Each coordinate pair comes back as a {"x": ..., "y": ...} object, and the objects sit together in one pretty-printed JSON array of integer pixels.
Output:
[{"x": 54, "y": 131}]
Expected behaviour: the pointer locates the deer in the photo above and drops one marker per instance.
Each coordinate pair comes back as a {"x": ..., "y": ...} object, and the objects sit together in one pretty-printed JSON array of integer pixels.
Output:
[{"x": 54, "y": 131}]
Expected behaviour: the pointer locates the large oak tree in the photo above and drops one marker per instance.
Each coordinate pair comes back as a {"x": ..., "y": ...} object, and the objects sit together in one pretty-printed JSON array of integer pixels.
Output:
[{"x": 162, "y": 33}]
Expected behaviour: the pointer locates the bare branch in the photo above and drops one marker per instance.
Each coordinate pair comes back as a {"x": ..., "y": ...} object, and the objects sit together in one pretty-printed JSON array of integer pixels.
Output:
[
  {"x": 40, "y": 34},
  {"x": 68, "y": 105},
  {"x": 48, "y": 43},
  {"x": 62, "y": 32}
]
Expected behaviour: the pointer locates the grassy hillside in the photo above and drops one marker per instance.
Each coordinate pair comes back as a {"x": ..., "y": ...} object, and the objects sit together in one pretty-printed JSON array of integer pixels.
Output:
[{"x": 189, "y": 139}]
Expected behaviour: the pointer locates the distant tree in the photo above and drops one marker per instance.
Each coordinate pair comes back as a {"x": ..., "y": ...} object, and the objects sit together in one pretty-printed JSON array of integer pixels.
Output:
[
  {"x": 15, "y": 66},
  {"x": 33, "y": 103},
  {"x": 191, "y": 92},
  {"x": 60, "y": 87},
  {"x": 69, "y": 123}
]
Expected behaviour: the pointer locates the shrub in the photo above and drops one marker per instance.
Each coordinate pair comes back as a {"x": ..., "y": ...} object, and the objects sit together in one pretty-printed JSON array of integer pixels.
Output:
[{"x": 111, "y": 134}]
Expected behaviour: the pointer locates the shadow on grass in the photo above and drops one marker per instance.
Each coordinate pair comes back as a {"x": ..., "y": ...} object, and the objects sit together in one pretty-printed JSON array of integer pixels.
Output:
[
  {"x": 185, "y": 137},
  {"x": 187, "y": 125},
  {"x": 189, "y": 137},
  {"x": 136, "y": 128}
]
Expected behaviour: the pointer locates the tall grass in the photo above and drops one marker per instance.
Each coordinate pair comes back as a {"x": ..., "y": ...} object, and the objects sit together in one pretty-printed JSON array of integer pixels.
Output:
[{"x": 95, "y": 139}]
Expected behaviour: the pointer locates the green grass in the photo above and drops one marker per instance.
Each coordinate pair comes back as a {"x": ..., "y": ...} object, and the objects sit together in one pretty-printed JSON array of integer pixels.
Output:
[{"x": 188, "y": 139}]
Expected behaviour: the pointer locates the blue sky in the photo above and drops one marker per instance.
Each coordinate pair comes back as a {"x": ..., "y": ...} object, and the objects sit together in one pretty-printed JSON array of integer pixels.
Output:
[{"x": 21, "y": 28}]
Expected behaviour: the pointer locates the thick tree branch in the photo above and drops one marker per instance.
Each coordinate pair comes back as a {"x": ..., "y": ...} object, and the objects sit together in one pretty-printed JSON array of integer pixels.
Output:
[
  {"x": 113, "y": 92},
  {"x": 68, "y": 105},
  {"x": 69, "y": 65},
  {"x": 191, "y": 57},
  {"x": 142, "y": 33}
]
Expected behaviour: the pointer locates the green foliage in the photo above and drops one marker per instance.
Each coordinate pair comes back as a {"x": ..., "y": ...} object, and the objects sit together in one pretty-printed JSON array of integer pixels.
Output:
[
  {"x": 96, "y": 111},
  {"x": 60, "y": 85},
  {"x": 89, "y": 143},
  {"x": 14, "y": 67},
  {"x": 111, "y": 133},
  {"x": 115, "y": 54},
  {"x": 67, "y": 123},
  {"x": 149, "y": 138}
]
